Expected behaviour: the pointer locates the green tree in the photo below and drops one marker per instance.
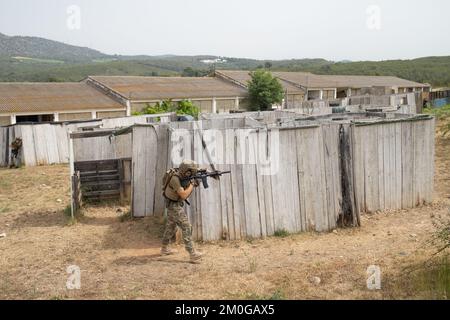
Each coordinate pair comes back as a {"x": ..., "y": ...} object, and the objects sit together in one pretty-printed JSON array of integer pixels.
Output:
[
  {"x": 187, "y": 107},
  {"x": 264, "y": 90}
]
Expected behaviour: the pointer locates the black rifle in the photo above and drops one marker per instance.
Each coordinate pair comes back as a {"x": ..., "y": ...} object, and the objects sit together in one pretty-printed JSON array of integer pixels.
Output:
[{"x": 203, "y": 175}]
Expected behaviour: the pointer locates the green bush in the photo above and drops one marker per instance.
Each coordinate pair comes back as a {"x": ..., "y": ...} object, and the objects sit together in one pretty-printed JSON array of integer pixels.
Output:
[
  {"x": 282, "y": 233},
  {"x": 184, "y": 107},
  {"x": 188, "y": 108}
]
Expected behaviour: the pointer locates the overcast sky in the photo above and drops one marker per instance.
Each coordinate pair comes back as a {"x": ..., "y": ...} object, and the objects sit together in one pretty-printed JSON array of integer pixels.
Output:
[{"x": 276, "y": 29}]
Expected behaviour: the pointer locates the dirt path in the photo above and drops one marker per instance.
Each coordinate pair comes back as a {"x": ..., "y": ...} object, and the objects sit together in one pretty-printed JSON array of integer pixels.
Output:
[{"x": 120, "y": 259}]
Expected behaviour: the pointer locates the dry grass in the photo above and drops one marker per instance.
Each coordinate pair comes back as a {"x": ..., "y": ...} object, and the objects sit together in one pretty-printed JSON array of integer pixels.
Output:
[{"x": 119, "y": 256}]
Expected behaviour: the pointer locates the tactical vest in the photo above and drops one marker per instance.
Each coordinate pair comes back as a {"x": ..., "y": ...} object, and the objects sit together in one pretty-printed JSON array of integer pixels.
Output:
[{"x": 168, "y": 193}]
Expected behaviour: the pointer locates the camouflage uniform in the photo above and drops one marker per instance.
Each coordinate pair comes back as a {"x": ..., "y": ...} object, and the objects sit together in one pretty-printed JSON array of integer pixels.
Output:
[{"x": 176, "y": 216}]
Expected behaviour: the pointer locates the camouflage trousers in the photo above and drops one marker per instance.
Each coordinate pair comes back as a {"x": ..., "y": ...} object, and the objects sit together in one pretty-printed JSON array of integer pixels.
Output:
[{"x": 176, "y": 217}]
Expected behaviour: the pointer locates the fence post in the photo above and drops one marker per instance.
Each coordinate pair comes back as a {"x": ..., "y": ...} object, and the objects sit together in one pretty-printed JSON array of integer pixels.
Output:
[{"x": 350, "y": 213}]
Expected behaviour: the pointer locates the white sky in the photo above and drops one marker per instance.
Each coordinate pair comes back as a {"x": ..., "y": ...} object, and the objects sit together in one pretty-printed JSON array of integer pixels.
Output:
[{"x": 277, "y": 29}]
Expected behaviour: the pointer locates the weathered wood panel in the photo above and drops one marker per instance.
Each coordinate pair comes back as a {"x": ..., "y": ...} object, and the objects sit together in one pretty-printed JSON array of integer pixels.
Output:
[{"x": 393, "y": 164}]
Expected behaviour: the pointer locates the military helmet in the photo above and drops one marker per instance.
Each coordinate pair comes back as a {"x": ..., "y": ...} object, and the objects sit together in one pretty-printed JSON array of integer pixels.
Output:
[{"x": 188, "y": 165}]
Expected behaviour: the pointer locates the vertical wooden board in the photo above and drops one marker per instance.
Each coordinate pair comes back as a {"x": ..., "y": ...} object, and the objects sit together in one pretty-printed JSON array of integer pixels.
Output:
[
  {"x": 358, "y": 166},
  {"x": 226, "y": 204},
  {"x": 398, "y": 159},
  {"x": 211, "y": 211},
  {"x": 227, "y": 189},
  {"x": 251, "y": 206},
  {"x": 420, "y": 162},
  {"x": 365, "y": 154},
  {"x": 262, "y": 145},
  {"x": 336, "y": 171},
  {"x": 432, "y": 158},
  {"x": 320, "y": 193},
  {"x": 238, "y": 187},
  {"x": 302, "y": 178},
  {"x": 150, "y": 150},
  {"x": 52, "y": 144},
  {"x": 427, "y": 193},
  {"x": 161, "y": 166},
  {"x": 293, "y": 178},
  {"x": 371, "y": 168},
  {"x": 388, "y": 173},
  {"x": 331, "y": 159},
  {"x": 310, "y": 165},
  {"x": 3, "y": 144},
  {"x": 138, "y": 167},
  {"x": 28, "y": 145},
  {"x": 63, "y": 143},
  {"x": 284, "y": 216},
  {"x": 407, "y": 165},
  {"x": 381, "y": 168},
  {"x": 40, "y": 144}
]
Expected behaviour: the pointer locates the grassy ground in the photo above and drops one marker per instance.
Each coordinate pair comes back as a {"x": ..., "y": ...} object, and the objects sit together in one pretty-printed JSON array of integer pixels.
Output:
[{"x": 119, "y": 256}]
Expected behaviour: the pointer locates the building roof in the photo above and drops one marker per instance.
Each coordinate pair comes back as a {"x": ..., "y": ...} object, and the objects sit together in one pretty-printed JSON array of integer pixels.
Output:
[
  {"x": 160, "y": 88},
  {"x": 310, "y": 80},
  {"x": 243, "y": 77},
  {"x": 53, "y": 96},
  {"x": 292, "y": 80}
]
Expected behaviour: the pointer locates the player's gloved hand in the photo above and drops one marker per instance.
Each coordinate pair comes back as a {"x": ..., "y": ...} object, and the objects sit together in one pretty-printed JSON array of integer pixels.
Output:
[{"x": 195, "y": 183}]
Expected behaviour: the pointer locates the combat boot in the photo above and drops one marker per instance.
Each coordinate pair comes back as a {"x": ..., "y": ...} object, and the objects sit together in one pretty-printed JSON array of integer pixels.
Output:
[
  {"x": 166, "y": 251},
  {"x": 196, "y": 256}
]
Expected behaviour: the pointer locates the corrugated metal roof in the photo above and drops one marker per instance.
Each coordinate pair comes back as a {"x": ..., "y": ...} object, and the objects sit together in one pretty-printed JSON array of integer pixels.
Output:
[
  {"x": 37, "y": 97},
  {"x": 243, "y": 77},
  {"x": 160, "y": 88},
  {"x": 310, "y": 80}
]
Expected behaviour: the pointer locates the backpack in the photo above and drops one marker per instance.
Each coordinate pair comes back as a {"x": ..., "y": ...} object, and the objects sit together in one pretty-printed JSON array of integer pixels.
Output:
[{"x": 166, "y": 179}]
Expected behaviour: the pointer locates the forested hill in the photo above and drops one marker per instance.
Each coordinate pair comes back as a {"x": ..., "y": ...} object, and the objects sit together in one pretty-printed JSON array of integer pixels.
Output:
[
  {"x": 34, "y": 47},
  {"x": 39, "y": 59}
]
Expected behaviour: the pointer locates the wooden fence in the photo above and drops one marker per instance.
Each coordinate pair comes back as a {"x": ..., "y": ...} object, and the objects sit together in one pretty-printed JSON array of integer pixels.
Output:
[
  {"x": 296, "y": 196},
  {"x": 48, "y": 143},
  {"x": 327, "y": 173},
  {"x": 323, "y": 172},
  {"x": 393, "y": 163}
]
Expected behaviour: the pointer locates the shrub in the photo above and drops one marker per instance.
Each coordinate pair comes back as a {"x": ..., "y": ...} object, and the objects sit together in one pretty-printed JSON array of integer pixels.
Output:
[
  {"x": 264, "y": 91},
  {"x": 282, "y": 233}
]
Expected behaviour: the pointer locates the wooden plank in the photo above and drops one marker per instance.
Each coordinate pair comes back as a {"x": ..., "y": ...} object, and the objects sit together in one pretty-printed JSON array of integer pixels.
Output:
[
  {"x": 63, "y": 143},
  {"x": 250, "y": 185},
  {"x": 238, "y": 190},
  {"x": 329, "y": 153},
  {"x": 381, "y": 169},
  {"x": 398, "y": 159},
  {"x": 161, "y": 167},
  {"x": 52, "y": 144},
  {"x": 138, "y": 159},
  {"x": 28, "y": 145},
  {"x": 227, "y": 187},
  {"x": 407, "y": 165},
  {"x": 150, "y": 144},
  {"x": 210, "y": 201},
  {"x": 300, "y": 140},
  {"x": 88, "y": 194},
  {"x": 358, "y": 167}
]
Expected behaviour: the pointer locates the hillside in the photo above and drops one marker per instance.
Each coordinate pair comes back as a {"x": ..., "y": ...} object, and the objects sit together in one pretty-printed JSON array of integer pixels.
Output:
[
  {"x": 38, "y": 59},
  {"x": 34, "y": 47}
]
